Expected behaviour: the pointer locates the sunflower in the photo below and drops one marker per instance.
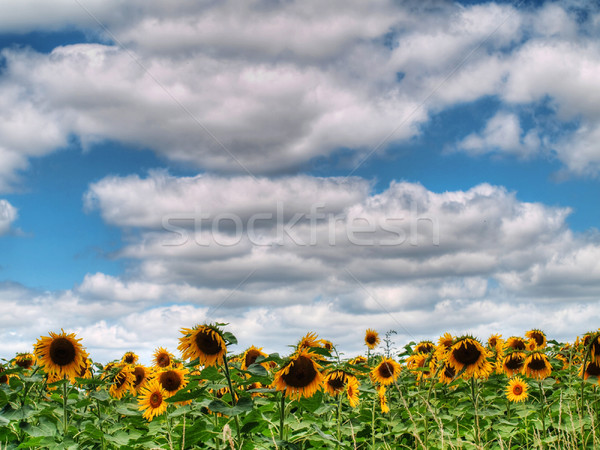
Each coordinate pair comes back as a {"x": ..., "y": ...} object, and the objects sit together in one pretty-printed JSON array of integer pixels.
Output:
[
  {"x": 152, "y": 400},
  {"x": 513, "y": 363},
  {"x": 424, "y": 347},
  {"x": 515, "y": 343},
  {"x": 130, "y": 358},
  {"x": 163, "y": 358},
  {"x": 122, "y": 382},
  {"x": 3, "y": 377},
  {"x": 141, "y": 375},
  {"x": 447, "y": 373},
  {"x": 372, "y": 339},
  {"x": 60, "y": 354},
  {"x": 386, "y": 372},
  {"x": 352, "y": 391},
  {"x": 516, "y": 391},
  {"x": 250, "y": 356},
  {"x": 85, "y": 371},
  {"x": 172, "y": 379},
  {"x": 468, "y": 355},
  {"x": 24, "y": 360},
  {"x": 300, "y": 377},
  {"x": 419, "y": 361},
  {"x": 537, "y": 366},
  {"x": 592, "y": 370},
  {"x": 382, "y": 400},
  {"x": 594, "y": 346},
  {"x": 538, "y": 336},
  {"x": 203, "y": 342},
  {"x": 335, "y": 382},
  {"x": 358, "y": 361},
  {"x": 444, "y": 343},
  {"x": 494, "y": 341},
  {"x": 327, "y": 345},
  {"x": 310, "y": 340}
]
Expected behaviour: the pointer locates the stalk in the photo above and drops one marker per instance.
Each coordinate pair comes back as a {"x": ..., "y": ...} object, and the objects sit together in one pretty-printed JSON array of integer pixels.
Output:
[
  {"x": 233, "y": 399},
  {"x": 339, "y": 419},
  {"x": 65, "y": 414},
  {"x": 542, "y": 406},
  {"x": 282, "y": 417},
  {"x": 474, "y": 397}
]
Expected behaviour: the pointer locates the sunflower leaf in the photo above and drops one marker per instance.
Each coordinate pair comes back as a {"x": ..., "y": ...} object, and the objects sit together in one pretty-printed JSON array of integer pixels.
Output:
[
  {"x": 211, "y": 374},
  {"x": 258, "y": 370},
  {"x": 244, "y": 404},
  {"x": 230, "y": 338}
]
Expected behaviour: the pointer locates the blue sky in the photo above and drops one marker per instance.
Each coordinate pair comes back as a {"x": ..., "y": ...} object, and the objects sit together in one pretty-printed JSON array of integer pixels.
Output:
[{"x": 118, "y": 117}]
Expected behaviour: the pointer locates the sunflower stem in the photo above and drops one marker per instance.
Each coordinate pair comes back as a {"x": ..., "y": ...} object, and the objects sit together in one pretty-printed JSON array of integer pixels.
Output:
[
  {"x": 373, "y": 423},
  {"x": 65, "y": 414},
  {"x": 282, "y": 416},
  {"x": 474, "y": 397},
  {"x": 542, "y": 407},
  {"x": 233, "y": 399},
  {"x": 339, "y": 420}
]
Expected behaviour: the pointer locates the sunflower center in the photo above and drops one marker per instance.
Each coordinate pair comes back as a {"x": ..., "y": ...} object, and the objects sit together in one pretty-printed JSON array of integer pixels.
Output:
[
  {"x": 170, "y": 381},
  {"x": 517, "y": 344},
  {"x": 120, "y": 379},
  {"x": 593, "y": 369},
  {"x": 155, "y": 399},
  {"x": 336, "y": 382},
  {"x": 539, "y": 339},
  {"x": 467, "y": 354},
  {"x": 517, "y": 390},
  {"x": 62, "y": 351},
  {"x": 371, "y": 339},
  {"x": 3, "y": 379},
  {"x": 596, "y": 347},
  {"x": 24, "y": 363},
  {"x": 207, "y": 343},
  {"x": 493, "y": 342},
  {"x": 536, "y": 363},
  {"x": 251, "y": 356},
  {"x": 302, "y": 372},
  {"x": 449, "y": 371},
  {"x": 386, "y": 370},
  {"x": 163, "y": 360},
  {"x": 139, "y": 374},
  {"x": 514, "y": 362},
  {"x": 129, "y": 359}
]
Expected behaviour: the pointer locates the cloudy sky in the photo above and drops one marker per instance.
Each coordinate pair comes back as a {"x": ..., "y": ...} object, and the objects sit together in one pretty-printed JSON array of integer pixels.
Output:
[{"x": 294, "y": 166}]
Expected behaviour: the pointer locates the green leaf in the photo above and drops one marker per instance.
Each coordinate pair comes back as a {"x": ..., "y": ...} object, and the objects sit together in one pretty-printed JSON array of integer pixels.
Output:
[
  {"x": 244, "y": 404},
  {"x": 230, "y": 338},
  {"x": 211, "y": 374}
]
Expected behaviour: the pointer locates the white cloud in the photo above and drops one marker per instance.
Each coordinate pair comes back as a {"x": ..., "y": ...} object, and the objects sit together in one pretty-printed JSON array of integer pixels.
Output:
[{"x": 8, "y": 214}]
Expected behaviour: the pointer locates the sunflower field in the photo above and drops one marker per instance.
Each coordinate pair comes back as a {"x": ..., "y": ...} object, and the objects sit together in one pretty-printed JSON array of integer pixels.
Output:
[{"x": 457, "y": 392}]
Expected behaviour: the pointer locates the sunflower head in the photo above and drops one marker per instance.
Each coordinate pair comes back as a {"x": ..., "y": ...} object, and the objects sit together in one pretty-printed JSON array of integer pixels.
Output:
[
  {"x": 420, "y": 364},
  {"x": 142, "y": 376},
  {"x": 382, "y": 400},
  {"x": 592, "y": 370},
  {"x": 352, "y": 386},
  {"x": 129, "y": 358},
  {"x": 447, "y": 373},
  {"x": 310, "y": 340},
  {"x": 250, "y": 356},
  {"x": 358, "y": 361},
  {"x": 152, "y": 400},
  {"x": 424, "y": 347},
  {"x": 162, "y": 358},
  {"x": 515, "y": 343},
  {"x": 172, "y": 379},
  {"x": 537, "y": 366},
  {"x": 300, "y": 376},
  {"x": 335, "y": 382},
  {"x": 122, "y": 381},
  {"x": 3, "y": 377},
  {"x": 444, "y": 343},
  {"x": 538, "y": 336},
  {"x": 516, "y": 391},
  {"x": 469, "y": 356},
  {"x": 386, "y": 372},
  {"x": 204, "y": 342},
  {"x": 513, "y": 363},
  {"x": 60, "y": 354},
  {"x": 24, "y": 360},
  {"x": 494, "y": 341},
  {"x": 592, "y": 343},
  {"x": 372, "y": 338}
]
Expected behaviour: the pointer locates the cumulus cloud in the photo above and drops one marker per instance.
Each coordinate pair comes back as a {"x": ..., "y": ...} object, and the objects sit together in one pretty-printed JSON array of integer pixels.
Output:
[{"x": 202, "y": 84}]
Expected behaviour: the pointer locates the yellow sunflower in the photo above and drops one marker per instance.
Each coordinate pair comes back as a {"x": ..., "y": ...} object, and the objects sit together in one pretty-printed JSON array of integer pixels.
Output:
[
  {"x": 122, "y": 382},
  {"x": 386, "y": 372},
  {"x": 250, "y": 356},
  {"x": 418, "y": 361},
  {"x": 85, "y": 371},
  {"x": 537, "y": 366},
  {"x": 3, "y": 377},
  {"x": 358, "y": 361},
  {"x": 152, "y": 400},
  {"x": 130, "y": 358},
  {"x": 300, "y": 377},
  {"x": 335, "y": 382},
  {"x": 516, "y": 391},
  {"x": 60, "y": 354},
  {"x": 592, "y": 370},
  {"x": 24, "y": 360},
  {"x": 163, "y": 358},
  {"x": 372, "y": 339},
  {"x": 515, "y": 343},
  {"x": 308, "y": 341},
  {"x": 538, "y": 336},
  {"x": 594, "y": 346},
  {"x": 447, "y": 373},
  {"x": 469, "y": 355},
  {"x": 142, "y": 376},
  {"x": 327, "y": 345},
  {"x": 382, "y": 400},
  {"x": 203, "y": 342},
  {"x": 352, "y": 391},
  {"x": 172, "y": 379},
  {"x": 424, "y": 347},
  {"x": 444, "y": 343},
  {"x": 495, "y": 341},
  {"x": 513, "y": 363}
]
